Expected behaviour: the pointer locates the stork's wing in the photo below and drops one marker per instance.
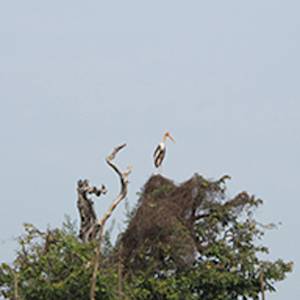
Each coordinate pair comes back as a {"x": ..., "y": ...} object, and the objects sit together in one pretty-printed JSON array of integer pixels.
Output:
[
  {"x": 156, "y": 151},
  {"x": 159, "y": 155}
]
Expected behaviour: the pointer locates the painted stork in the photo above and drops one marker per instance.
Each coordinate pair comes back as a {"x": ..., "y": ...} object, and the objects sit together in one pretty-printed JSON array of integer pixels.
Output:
[{"x": 160, "y": 151}]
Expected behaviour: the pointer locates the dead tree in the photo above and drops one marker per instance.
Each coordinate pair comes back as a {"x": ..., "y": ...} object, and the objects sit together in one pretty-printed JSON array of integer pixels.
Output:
[
  {"x": 92, "y": 229},
  {"x": 89, "y": 228}
]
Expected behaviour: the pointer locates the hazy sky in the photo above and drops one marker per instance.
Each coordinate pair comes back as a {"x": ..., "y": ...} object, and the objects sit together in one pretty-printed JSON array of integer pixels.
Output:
[{"x": 79, "y": 77}]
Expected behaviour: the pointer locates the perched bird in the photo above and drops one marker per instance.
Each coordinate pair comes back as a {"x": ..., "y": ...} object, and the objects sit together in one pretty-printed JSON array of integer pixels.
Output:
[{"x": 160, "y": 151}]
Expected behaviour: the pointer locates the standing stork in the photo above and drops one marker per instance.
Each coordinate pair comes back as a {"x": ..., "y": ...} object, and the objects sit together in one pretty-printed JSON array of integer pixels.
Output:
[{"x": 160, "y": 151}]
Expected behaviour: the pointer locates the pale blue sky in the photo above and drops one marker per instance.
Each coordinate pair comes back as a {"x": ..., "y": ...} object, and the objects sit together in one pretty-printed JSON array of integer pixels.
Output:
[{"x": 78, "y": 77}]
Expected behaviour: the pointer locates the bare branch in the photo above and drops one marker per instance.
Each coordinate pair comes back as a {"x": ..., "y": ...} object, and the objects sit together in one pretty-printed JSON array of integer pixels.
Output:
[
  {"x": 124, "y": 184},
  {"x": 101, "y": 223},
  {"x": 16, "y": 285},
  {"x": 262, "y": 285}
]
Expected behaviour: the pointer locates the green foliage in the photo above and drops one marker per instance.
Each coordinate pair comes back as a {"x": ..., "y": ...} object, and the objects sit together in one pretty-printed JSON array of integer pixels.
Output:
[
  {"x": 52, "y": 265},
  {"x": 195, "y": 243},
  {"x": 183, "y": 242}
]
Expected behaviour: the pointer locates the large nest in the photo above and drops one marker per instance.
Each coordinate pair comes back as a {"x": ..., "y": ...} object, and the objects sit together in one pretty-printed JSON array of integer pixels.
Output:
[{"x": 161, "y": 232}]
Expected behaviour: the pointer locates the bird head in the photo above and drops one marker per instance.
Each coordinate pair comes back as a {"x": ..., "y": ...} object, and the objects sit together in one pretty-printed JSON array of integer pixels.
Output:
[{"x": 168, "y": 136}]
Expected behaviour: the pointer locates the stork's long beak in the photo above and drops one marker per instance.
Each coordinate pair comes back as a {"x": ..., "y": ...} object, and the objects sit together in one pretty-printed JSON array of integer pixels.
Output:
[{"x": 171, "y": 138}]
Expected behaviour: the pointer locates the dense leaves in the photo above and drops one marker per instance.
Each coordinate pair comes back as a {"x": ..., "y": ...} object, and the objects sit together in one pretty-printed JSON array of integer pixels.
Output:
[
  {"x": 192, "y": 242},
  {"x": 182, "y": 242},
  {"x": 52, "y": 265}
]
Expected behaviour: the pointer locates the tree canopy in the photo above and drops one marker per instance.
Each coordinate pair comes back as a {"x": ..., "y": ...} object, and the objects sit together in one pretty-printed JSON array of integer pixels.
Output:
[{"x": 187, "y": 241}]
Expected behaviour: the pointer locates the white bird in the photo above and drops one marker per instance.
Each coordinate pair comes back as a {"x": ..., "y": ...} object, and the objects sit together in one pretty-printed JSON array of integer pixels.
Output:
[{"x": 160, "y": 151}]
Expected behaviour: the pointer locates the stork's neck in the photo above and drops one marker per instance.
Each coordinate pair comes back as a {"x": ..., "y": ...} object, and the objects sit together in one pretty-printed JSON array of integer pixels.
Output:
[
  {"x": 162, "y": 145},
  {"x": 164, "y": 139}
]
